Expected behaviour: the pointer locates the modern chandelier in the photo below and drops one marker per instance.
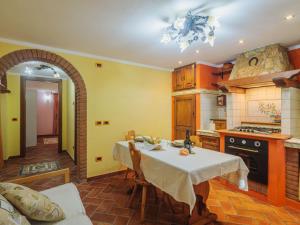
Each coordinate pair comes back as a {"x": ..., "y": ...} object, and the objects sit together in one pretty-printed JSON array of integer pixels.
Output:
[{"x": 191, "y": 28}]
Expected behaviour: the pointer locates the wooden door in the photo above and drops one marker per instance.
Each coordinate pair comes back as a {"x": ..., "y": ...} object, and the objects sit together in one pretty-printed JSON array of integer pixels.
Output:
[
  {"x": 190, "y": 78},
  {"x": 184, "y": 115}
]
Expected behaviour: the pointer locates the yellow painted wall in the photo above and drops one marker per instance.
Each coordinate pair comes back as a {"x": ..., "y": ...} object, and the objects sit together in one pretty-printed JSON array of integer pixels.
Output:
[
  {"x": 130, "y": 97},
  {"x": 10, "y": 108}
]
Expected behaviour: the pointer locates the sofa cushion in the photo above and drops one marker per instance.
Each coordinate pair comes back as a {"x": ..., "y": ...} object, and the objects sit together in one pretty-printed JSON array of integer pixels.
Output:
[
  {"x": 32, "y": 204},
  {"x": 67, "y": 196},
  {"x": 4, "y": 186},
  {"x": 9, "y": 215}
]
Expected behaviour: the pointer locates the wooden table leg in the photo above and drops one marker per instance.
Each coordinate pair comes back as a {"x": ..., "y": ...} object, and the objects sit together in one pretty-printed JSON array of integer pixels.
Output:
[{"x": 200, "y": 214}]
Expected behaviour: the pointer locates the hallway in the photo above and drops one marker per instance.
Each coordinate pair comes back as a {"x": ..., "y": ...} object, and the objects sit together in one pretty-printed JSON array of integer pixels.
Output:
[{"x": 41, "y": 153}]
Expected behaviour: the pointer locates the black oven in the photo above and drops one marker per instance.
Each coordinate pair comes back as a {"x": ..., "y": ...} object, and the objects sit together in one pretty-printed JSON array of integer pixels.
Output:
[{"x": 254, "y": 153}]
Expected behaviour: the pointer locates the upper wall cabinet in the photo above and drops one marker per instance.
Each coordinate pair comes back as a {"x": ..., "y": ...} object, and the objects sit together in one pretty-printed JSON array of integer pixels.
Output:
[{"x": 184, "y": 77}]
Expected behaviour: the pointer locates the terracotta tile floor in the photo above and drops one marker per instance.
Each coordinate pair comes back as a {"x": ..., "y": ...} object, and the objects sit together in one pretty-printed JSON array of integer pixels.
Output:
[
  {"x": 106, "y": 198},
  {"x": 41, "y": 153}
]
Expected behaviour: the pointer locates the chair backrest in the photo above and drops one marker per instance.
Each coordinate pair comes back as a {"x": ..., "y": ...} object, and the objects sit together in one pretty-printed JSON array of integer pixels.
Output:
[
  {"x": 195, "y": 139},
  {"x": 130, "y": 135},
  {"x": 136, "y": 160}
]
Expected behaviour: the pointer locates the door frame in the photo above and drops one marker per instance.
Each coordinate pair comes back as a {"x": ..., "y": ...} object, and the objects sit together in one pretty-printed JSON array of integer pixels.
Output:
[
  {"x": 23, "y": 111},
  {"x": 182, "y": 97}
]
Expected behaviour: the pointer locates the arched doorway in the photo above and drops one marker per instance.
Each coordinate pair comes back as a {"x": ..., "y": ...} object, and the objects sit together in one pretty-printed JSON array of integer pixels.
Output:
[{"x": 14, "y": 58}]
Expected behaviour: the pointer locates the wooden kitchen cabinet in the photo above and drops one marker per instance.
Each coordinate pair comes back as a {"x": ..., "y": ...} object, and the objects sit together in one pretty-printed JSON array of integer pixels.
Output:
[
  {"x": 210, "y": 142},
  {"x": 184, "y": 77}
]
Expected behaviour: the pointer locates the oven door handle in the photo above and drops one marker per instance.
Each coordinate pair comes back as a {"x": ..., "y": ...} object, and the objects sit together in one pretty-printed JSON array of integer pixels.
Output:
[{"x": 243, "y": 149}]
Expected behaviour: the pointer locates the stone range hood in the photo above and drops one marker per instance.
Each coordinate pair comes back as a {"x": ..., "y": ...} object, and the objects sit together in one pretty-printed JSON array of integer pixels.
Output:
[{"x": 267, "y": 66}]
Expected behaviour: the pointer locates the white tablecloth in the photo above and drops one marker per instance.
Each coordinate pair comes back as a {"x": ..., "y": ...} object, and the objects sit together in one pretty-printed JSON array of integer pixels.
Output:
[{"x": 176, "y": 174}]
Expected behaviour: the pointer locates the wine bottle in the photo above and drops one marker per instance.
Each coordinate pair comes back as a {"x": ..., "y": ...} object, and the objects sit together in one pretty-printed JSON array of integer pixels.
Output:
[{"x": 187, "y": 141}]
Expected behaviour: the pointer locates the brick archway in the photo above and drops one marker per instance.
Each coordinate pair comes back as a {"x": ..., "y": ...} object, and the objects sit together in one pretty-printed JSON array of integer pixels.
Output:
[{"x": 25, "y": 55}]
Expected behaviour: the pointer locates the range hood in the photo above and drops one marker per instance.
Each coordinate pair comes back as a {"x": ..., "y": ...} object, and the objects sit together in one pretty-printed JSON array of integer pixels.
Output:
[
  {"x": 267, "y": 66},
  {"x": 280, "y": 79}
]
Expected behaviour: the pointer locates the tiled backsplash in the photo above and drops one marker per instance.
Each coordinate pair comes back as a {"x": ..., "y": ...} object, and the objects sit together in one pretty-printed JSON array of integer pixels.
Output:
[
  {"x": 248, "y": 106},
  {"x": 290, "y": 118},
  {"x": 210, "y": 110},
  {"x": 259, "y": 101},
  {"x": 235, "y": 109}
]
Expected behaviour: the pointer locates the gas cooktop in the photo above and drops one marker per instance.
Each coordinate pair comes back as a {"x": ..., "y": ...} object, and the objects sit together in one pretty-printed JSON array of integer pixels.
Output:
[{"x": 257, "y": 130}]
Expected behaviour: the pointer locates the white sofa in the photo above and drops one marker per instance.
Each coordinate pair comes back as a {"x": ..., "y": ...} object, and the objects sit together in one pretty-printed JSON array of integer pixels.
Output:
[{"x": 68, "y": 198}]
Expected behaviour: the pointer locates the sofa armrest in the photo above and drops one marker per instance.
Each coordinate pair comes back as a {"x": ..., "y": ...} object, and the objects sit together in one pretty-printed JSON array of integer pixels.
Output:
[
  {"x": 65, "y": 172},
  {"x": 68, "y": 198}
]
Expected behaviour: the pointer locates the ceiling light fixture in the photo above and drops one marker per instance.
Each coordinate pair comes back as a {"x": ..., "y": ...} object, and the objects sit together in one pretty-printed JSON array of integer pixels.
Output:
[
  {"x": 241, "y": 41},
  {"x": 190, "y": 28},
  {"x": 28, "y": 70},
  {"x": 56, "y": 75},
  {"x": 197, "y": 51},
  {"x": 179, "y": 62},
  {"x": 289, "y": 17}
]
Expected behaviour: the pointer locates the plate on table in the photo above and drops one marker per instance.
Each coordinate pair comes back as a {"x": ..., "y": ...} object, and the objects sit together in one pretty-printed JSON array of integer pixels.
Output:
[
  {"x": 178, "y": 143},
  {"x": 139, "y": 139},
  {"x": 156, "y": 147}
]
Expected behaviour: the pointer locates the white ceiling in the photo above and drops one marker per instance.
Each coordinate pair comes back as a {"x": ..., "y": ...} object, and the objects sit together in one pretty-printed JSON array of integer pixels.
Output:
[
  {"x": 131, "y": 29},
  {"x": 20, "y": 69}
]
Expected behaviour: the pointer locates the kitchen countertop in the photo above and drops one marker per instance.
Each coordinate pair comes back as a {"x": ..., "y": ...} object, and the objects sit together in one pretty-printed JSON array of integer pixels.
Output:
[
  {"x": 210, "y": 133},
  {"x": 267, "y": 136},
  {"x": 293, "y": 143}
]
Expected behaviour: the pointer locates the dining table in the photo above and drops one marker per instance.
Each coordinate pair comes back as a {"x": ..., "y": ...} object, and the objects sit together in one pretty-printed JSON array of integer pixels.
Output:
[{"x": 185, "y": 178}]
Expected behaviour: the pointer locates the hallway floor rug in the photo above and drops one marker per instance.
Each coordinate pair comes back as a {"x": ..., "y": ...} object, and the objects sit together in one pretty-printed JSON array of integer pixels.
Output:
[
  {"x": 50, "y": 141},
  {"x": 39, "y": 168}
]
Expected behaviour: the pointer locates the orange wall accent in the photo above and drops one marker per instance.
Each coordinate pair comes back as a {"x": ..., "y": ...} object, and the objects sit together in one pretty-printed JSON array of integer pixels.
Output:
[
  {"x": 294, "y": 56},
  {"x": 276, "y": 186},
  {"x": 205, "y": 78}
]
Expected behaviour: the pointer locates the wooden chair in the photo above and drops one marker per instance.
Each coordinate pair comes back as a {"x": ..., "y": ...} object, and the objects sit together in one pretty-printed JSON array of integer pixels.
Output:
[
  {"x": 195, "y": 139},
  {"x": 128, "y": 137},
  {"x": 139, "y": 179}
]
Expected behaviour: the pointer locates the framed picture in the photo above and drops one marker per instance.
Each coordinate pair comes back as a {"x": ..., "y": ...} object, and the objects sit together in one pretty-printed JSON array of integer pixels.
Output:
[{"x": 221, "y": 100}]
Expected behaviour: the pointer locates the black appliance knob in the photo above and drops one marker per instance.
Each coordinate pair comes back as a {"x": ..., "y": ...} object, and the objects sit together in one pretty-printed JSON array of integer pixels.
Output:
[
  {"x": 257, "y": 144},
  {"x": 231, "y": 140}
]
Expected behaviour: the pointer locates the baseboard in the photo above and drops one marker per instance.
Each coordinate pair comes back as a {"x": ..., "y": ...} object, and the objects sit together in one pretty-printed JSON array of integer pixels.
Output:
[
  {"x": 47, "y": 135},
  {"x": 292, "y": 203},
  {"x": 106, "y": 175},
  {"x": 13, "y": 157}
]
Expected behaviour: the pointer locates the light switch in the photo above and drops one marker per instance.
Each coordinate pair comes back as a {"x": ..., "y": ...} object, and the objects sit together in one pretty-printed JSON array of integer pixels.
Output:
[
  {"x": 105, "y": 122},
  {"x": 98, "y": 123}
]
